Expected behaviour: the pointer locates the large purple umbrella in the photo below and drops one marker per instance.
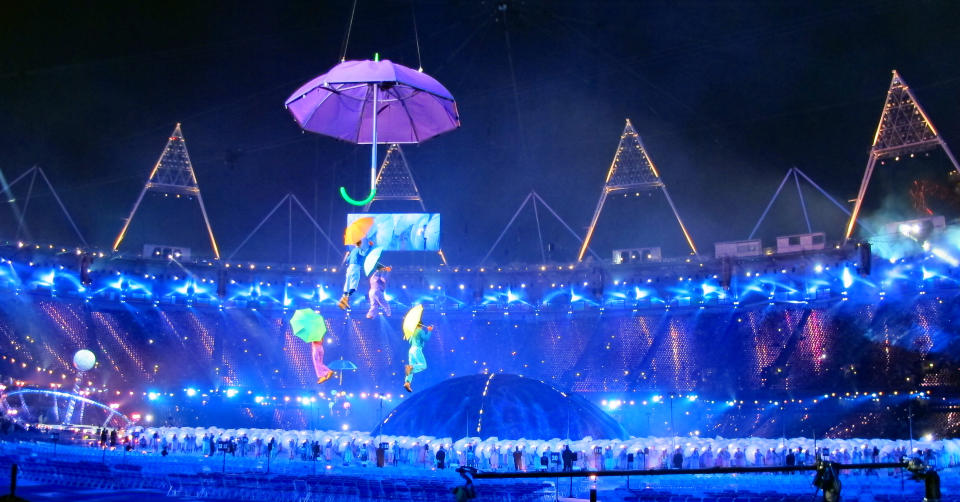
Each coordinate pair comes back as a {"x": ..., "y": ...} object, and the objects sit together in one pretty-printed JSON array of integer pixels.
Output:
[{"x": 411, "y": 107}]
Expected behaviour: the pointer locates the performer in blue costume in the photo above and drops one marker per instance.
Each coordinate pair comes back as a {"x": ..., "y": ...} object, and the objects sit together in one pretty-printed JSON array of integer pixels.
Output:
[
  {"x": 354, "y": 262},
  {"x": 416, "y": 362}
]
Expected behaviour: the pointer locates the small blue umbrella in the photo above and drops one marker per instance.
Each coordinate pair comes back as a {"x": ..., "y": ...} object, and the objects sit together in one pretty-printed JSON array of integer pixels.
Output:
[{"x": 342, "y": 365}]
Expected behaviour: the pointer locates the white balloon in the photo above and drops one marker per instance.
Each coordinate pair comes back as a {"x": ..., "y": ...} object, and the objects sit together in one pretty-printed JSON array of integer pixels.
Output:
[{"x": 84, "y": 360}]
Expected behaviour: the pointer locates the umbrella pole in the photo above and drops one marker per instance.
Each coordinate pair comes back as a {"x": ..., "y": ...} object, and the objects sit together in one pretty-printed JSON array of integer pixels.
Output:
[
  {"x": 373, "y": 159},
  {"x": 373, "y": 154}
]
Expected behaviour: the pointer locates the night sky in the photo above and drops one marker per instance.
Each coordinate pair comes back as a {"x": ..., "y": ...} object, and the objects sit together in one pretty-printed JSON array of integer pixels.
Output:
[{"x": 726, "y": 95}]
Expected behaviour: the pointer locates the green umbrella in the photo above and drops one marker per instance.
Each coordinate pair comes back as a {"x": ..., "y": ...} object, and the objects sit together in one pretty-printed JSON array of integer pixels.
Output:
[{"x": 308, "y": 325}]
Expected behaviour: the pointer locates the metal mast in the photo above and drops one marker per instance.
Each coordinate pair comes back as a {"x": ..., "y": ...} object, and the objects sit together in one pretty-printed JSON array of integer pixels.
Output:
[
  {"x": 904, "y": 129},
  {"x": 631, "y": 170},
  {"x": 173, "y": 173}
]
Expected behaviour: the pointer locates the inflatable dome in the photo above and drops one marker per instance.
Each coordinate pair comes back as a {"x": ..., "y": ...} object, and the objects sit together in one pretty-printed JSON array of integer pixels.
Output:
[{"x": 498, "y": 405}]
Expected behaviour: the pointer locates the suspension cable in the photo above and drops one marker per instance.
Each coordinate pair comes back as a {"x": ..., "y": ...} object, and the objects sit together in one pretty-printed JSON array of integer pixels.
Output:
[
  {"x": 416, "y": 35},
  {"x": 346, "y": 38}
]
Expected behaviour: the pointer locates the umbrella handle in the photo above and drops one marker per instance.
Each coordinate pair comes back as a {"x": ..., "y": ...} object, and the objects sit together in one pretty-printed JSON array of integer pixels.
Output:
[{"x": 364, "y": 202}]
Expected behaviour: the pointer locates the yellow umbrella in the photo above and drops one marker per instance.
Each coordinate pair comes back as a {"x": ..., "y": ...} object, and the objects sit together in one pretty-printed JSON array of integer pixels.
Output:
[
  {"x": 357, "y": 230},
  {"x": 411, "y": 321}
]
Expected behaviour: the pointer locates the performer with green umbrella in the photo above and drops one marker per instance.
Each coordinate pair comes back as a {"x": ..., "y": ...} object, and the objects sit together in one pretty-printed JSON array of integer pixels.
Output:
[
  {"x": 310, "y": 327},
  {"x": 416, "y": 333}
]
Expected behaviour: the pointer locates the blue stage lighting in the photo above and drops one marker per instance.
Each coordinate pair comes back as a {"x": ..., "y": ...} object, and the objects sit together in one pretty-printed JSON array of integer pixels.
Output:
[
  {"x": 48, "y": 278},
  {"x": 846, "y": 277},
  {"x": 232, "y": 392},
  {"x": 153, "y": 396},
  {"x": 317, "y": 295},
  {"x": 191, "y": 392},
  {"x": 943, "y": 255},
  {"x": 190, "y": 289}
]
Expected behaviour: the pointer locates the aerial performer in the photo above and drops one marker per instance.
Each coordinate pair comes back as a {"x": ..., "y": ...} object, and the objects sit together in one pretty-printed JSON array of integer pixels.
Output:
[
  {"x": 416, "y": 333},
  {"x": 354, "y": 261},
  {"x": 378, "y": 283},
  {"x": 354, "y": 236},
  {"x": 310, "y": 327}
]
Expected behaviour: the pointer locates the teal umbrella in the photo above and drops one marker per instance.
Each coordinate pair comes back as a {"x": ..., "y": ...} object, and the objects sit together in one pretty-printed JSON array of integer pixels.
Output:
[
  {"x": 372, "y": 260},
  {"x": 308, "y": 325}
]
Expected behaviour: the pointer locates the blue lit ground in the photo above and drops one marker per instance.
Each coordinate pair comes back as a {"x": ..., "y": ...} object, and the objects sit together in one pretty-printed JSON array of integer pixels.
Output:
[
  {"x": 609, "y": 489},
  {"x": 703, "y": 488},
  {"x": 42, "y": 492}
]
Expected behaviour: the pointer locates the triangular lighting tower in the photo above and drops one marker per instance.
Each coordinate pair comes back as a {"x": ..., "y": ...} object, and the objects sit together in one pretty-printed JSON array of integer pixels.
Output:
[
  {"x": 631, "y": 170},
  {"x": 395, "y": 182},
  {"x": 173, "y": 173},
  {"x": 904, "y": 129}
]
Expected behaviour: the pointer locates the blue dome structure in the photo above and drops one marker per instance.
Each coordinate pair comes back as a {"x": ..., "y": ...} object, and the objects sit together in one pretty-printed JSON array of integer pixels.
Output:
[{"x": 504, "y": 406}]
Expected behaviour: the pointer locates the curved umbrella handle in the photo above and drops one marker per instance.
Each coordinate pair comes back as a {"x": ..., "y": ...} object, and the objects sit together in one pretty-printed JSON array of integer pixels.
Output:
[{"x": 364, "y": 202}]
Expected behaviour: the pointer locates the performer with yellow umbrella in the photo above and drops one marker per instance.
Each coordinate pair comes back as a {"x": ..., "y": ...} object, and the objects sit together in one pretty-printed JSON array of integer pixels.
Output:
[
  {"x": 416, "y": 333},
  {"x": 354, "y": 236},
  {"x": 310, "y": 327}
]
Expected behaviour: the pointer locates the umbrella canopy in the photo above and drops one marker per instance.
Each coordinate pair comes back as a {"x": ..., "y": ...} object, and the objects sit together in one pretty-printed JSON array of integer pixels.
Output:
[
  {"x": 370, "y": 102},
  {"x": 412, "y": 106},
  {"x": 372, "y": 259},
  {"x": 342, "y": 365},
  {"x": 411, "y": 321},
  {"x": 357, "y": 230},
  {"x": 308, "y": 325}
]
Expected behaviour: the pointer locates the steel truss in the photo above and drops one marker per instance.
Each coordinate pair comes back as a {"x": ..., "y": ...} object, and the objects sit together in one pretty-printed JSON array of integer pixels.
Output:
[
  {"x": 904, "y": 129},
  {"x": 631, "y": 170},
  {"x": 173, "y": 173}
]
